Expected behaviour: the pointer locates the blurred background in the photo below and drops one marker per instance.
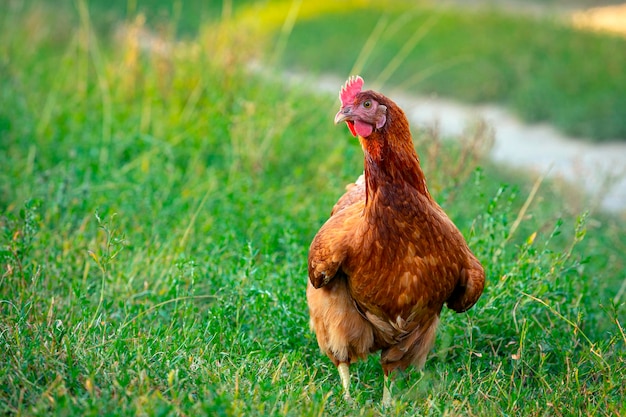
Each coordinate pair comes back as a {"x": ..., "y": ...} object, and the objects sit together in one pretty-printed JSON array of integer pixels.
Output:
[{"x": 547, "y": 76}]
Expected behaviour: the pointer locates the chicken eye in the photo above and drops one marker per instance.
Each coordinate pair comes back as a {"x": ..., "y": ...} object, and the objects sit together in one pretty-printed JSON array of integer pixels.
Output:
[{"x": 367, "y": 104}]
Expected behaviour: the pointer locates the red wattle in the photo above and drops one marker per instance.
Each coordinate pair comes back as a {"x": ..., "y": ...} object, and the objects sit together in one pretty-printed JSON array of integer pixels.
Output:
[
  {"x": 351, "y": 127},
  {"x": 363, "y": 129}
]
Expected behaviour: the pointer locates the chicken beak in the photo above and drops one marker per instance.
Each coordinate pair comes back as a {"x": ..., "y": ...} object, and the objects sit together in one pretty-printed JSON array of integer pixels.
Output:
[{"x": 342, "y": 115}]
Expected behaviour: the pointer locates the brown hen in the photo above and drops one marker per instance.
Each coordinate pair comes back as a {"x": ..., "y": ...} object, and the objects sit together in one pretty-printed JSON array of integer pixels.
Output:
[{"x": 388, "y": 258}]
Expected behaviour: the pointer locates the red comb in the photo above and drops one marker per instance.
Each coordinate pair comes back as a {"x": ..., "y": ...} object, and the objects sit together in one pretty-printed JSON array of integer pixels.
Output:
[{"x": 350, "y": 89}]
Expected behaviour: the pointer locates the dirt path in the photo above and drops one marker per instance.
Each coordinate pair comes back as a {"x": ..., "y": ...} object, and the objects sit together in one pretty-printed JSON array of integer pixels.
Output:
[{"x": 600, "y": 169}]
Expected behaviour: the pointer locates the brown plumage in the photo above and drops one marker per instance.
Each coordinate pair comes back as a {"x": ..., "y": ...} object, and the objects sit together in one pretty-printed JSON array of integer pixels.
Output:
[{"x": 388, "y": 258}]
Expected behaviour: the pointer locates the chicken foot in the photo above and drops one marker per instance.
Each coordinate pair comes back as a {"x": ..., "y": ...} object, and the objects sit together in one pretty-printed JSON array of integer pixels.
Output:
[{"x": 344, "y": 374}]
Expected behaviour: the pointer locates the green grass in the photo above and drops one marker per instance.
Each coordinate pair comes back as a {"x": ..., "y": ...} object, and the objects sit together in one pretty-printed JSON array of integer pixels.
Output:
[
  {"x": 544, "y": 70},
  {"x": 156, "y": 213}
]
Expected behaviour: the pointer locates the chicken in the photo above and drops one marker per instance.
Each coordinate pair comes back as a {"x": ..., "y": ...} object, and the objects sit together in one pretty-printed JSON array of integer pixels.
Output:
[{"x": 388, "y": 258}]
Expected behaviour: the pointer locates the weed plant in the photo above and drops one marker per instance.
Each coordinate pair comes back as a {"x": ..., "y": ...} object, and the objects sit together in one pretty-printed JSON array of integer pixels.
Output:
[{"x": 156, "y": 210}]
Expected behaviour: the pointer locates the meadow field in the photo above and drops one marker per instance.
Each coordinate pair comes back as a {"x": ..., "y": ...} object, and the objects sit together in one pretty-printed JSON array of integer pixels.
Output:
[{"x": 157, "y": 200}]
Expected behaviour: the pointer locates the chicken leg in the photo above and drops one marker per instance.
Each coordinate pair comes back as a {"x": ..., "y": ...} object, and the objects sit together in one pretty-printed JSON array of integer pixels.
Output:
[
  {"x": 344, "y": 374},
  {"x": 386, "y": 392}
]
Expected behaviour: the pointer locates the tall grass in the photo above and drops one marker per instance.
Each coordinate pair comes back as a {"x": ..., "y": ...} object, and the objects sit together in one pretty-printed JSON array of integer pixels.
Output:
[{"x": 156, "y": 210}]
